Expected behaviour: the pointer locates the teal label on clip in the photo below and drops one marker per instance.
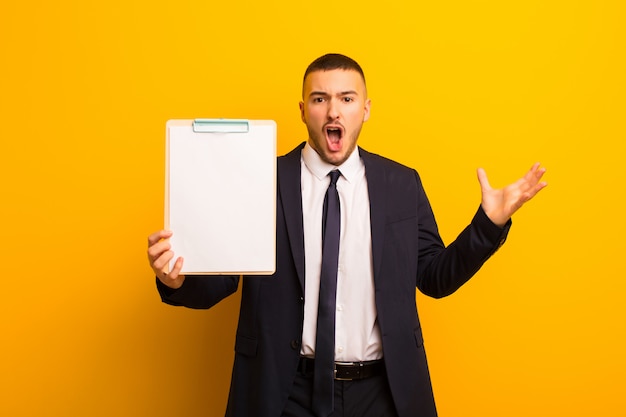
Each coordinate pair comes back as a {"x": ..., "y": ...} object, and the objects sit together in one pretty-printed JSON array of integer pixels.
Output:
[{"x": 221, "y": 126}]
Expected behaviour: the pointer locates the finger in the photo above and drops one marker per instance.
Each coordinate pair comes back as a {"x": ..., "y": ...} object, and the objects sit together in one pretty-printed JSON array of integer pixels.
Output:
[
  {"x": 531, "y": 189},
  {"x": 160, "y": 264},
  {"x": 534, "y": 175},
  {"x": 156, "y": 250},
  {"x": 178, "y": 266},
  {"x": 540, "y": 173},
  {"x": 482, "y": 179},
  {"x": 156, "y": 236},
  {"x": 538, "y": 187},
  {"x": 173, "y": 279}
]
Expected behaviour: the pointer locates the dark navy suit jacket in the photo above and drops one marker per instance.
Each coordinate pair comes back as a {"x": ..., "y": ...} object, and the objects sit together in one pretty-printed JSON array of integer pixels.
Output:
[{"x": 407, "y": 253}]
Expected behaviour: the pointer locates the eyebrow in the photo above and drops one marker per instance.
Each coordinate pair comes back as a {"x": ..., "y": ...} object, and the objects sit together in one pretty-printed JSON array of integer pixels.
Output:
[{"x": 323, "y": 93}]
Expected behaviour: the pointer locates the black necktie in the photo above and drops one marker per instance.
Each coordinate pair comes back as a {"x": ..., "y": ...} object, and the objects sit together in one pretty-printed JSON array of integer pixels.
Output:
[{"x": 325, "y": 341}]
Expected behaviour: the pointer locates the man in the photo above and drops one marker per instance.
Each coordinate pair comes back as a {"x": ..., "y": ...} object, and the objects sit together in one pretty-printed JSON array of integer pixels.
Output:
[{"x": 384, "y": 243}]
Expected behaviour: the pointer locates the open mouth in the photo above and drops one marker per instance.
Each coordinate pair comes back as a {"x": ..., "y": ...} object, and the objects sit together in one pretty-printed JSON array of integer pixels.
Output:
[{"x": 334, "y": 134}]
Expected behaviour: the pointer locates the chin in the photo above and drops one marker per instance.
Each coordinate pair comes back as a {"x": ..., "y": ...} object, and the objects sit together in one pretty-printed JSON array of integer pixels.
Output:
[{"x": 336, "y": 158}]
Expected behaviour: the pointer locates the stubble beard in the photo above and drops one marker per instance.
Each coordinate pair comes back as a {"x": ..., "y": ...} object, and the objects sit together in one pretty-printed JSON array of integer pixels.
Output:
[{"x": 319, "y": 145}]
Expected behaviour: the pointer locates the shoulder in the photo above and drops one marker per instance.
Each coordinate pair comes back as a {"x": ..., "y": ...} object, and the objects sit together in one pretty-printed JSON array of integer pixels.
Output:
[
  {"x": 295, "y": 153},
  {"x": 377, "y": 162},
  {"x": 292, "y": 157},
  {"x": 290, "y": 161}
]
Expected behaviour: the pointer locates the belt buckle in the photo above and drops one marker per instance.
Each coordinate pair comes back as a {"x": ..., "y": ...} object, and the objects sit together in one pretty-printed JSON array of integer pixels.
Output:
[{"x": 360, "y": 365}]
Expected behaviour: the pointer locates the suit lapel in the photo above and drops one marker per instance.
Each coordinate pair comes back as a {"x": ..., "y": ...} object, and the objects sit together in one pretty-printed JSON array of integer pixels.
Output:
[
  {"x": 290, "y": 194},
  {"x": 290, "y": 197},
  {"x": 375, "y": 175}
]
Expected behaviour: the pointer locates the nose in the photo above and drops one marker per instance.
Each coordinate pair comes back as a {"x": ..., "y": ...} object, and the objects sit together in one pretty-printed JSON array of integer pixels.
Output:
[{"x": 333, "y": 110}]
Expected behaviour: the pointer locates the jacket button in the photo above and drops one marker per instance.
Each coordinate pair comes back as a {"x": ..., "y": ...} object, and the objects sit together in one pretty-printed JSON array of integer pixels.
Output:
[{"x": 295, "y": 344}]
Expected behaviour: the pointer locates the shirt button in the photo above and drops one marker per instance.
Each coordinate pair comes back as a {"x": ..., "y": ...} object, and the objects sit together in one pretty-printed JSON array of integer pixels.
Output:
[
  {"x": 295, "y": 344},
  {"x": 339, "y": 307},
  {"x": 340, "y": 349}
]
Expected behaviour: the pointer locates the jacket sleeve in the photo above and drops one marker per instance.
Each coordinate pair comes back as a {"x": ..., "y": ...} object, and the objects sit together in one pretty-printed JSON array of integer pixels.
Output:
[
  {"x": 198, "y": 291},
  {"x": 443, "y": 270}
]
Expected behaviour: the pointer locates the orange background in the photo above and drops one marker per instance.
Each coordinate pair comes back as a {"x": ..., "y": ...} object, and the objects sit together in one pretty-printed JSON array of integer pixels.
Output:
[{"x": 86, "y": 89}]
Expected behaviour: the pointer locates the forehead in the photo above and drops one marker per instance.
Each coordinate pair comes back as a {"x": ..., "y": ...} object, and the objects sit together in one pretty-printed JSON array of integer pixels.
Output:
[{"x": 334, "y": 81}]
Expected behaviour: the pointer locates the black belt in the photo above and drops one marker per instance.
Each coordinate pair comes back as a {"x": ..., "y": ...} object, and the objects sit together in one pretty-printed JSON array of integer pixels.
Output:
[{"x": 346, "y": 371}]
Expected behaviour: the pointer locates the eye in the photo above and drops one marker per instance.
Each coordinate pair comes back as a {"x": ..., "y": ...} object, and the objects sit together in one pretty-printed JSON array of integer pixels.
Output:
[
  {"x": 348, "y": 99},
  {"x": 318, "y": 99}
]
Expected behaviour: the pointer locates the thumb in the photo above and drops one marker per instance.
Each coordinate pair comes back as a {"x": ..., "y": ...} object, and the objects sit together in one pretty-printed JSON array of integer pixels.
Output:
[
  {"x": 178, "y": 266},
  {"x": 482, "y": 179}
]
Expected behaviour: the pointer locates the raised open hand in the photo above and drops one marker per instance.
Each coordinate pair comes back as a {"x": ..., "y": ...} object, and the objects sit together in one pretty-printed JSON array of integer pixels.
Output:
[{"x": 500, "y": 204}]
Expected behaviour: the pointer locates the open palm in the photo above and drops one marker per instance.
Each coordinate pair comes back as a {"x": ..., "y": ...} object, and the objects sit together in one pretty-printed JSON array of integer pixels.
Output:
[{"x": 500, "y": 203}]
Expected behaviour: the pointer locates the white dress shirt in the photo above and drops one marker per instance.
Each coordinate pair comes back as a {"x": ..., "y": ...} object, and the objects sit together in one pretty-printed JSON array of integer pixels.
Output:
[{"x": 357, "y": 335}]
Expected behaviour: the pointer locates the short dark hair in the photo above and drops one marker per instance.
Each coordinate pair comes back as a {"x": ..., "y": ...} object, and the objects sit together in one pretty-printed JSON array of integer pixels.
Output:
[{"x": 330, "y": 62}]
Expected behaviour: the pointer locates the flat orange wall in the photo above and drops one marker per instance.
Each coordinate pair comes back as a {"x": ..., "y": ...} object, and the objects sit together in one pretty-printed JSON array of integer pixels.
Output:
[{"x": 86, "y": 89}]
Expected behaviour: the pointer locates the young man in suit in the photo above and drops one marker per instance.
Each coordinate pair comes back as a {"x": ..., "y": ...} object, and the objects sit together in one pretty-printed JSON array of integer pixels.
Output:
[{"x": 355, "y": 237}]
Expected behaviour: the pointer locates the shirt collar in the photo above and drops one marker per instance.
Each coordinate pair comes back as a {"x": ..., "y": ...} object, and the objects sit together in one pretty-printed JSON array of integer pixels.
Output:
[{"x": 320, "y": 169}]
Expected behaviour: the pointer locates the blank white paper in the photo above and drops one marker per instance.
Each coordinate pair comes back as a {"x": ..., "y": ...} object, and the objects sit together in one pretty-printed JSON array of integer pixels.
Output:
[{"x": 221, "y": 198}]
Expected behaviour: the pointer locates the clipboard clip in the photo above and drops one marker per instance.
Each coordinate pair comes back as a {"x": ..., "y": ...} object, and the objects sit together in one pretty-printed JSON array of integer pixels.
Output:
[{"x": 221, "y": 126}]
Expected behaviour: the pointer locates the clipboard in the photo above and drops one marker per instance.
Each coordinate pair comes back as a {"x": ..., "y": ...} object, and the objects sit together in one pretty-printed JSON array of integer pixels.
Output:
[{"x": 220, "y": 195}]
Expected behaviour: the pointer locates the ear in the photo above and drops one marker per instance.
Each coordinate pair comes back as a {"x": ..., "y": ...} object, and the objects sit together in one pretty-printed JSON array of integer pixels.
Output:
[
  {"x": 302, "y": 111},
  {"x": 366, "y": 113}
]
